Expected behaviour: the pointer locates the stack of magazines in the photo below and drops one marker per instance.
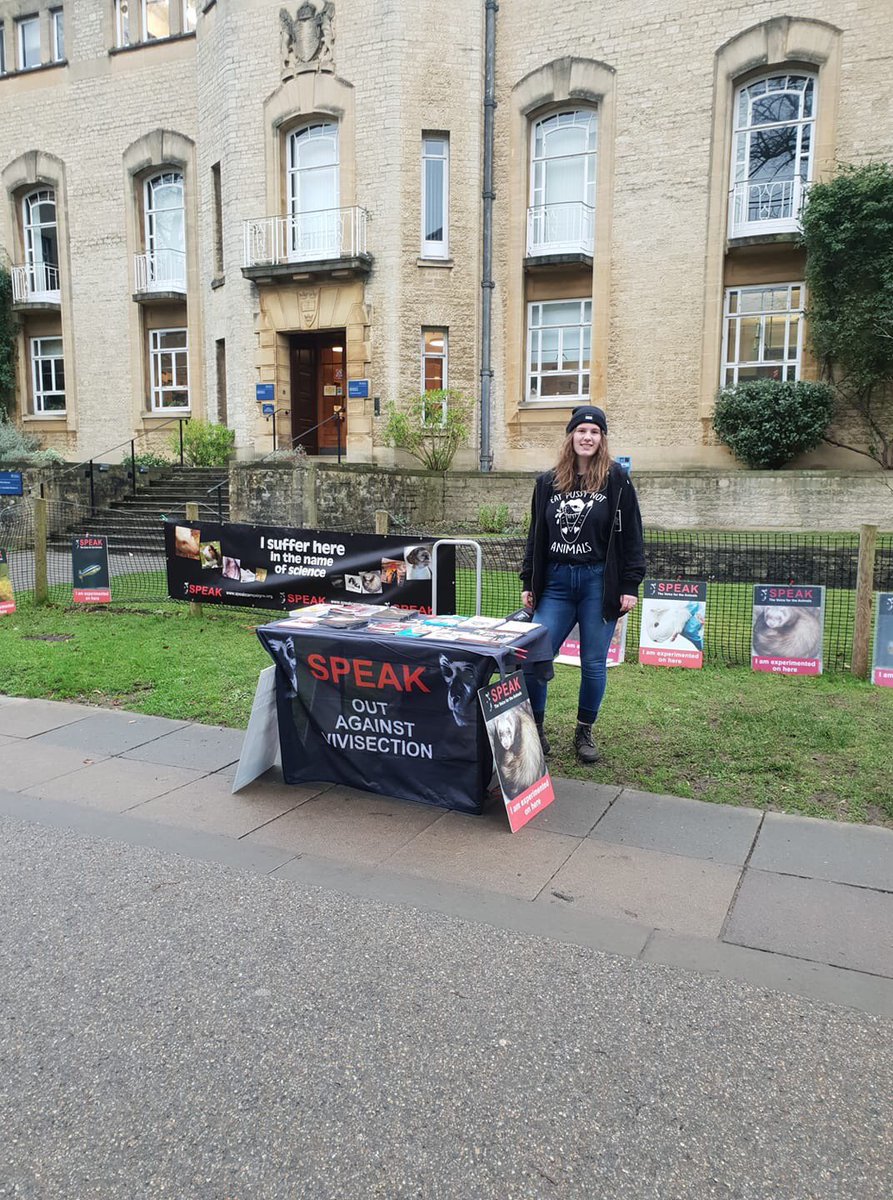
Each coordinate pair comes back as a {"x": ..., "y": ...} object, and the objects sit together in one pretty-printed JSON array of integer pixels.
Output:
[{"x": 385, "y": 620}]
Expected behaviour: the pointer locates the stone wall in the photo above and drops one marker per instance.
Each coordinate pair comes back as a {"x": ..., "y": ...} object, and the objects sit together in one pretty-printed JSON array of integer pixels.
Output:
[{"x": 330, "y": 497}]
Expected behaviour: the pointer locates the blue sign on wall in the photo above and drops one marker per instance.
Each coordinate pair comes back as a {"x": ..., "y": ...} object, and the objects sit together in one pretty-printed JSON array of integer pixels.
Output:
[
  {"x": 268, "y": 410},
  {"x": 264, "y": 391},
  {"x": 624, "y": 461},
  {"x": 358, "y": 389},
  {"x": 11, "y": 483}
]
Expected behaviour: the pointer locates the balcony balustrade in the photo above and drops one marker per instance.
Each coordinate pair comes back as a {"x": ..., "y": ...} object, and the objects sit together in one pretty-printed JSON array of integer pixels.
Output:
[
  {"x": 766, "y": 206},
  {"x": 160, "y": 271},
  {"x": 567, "y": 228},
  {"x": 331, "y": 233},
  {"x": 35, "y": 283}
]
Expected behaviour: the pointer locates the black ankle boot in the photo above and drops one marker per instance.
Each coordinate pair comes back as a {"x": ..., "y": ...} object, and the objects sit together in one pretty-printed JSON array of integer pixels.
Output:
[
  {"x": 584, "y": 745},
  {"x": 544, "y": 741}
]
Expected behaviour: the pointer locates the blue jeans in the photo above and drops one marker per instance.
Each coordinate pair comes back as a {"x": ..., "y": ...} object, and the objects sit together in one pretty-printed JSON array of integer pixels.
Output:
[{"x": 573, "y": 596}]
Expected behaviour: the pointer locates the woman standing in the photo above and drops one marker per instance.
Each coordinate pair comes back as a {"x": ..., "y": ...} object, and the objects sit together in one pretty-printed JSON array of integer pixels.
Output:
[{"x": 583, "y": 563}]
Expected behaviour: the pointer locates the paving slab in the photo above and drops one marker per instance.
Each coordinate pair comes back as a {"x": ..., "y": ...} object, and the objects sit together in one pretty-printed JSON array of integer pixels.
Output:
[
  {"x": 209, "y": 805},
  {"x": 811, "y": 918},
  {"x": 665, "y": 891},
  {"x": 25, "y": 718},
  {"x": 109, "y": 732},
  {"x": 7, "y": 741},
  {"x": 857, "y": 854},
  {"x": 346, "y": 825},
  {"x": 115, "y": 784},
  {"x": 201, "y": 747},
  {"x": 673, "y": 825},
  {"x": 481, "y": 852},
  {"x": 22, "y": 765},
  {"x": 576, "y": 807}
]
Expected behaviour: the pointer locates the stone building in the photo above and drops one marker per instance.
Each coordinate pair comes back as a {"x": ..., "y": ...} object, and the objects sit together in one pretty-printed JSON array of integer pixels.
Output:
[{"x": 201, "y": 196}]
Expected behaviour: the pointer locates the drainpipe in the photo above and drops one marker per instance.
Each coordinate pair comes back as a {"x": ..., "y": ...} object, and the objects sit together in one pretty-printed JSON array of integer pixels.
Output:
[{"x": 491, "y": 8}]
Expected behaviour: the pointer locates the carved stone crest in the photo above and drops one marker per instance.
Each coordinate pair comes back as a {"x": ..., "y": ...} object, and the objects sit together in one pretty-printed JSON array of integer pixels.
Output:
[
  {"x": 308, "y": 304},
  {"x": 307, "y": 40}
]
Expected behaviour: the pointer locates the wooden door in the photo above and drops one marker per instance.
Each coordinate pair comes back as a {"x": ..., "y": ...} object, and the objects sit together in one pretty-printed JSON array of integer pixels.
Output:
[
  {"x": 331, "y": 392},
  {"x": 303, "y": 392}
]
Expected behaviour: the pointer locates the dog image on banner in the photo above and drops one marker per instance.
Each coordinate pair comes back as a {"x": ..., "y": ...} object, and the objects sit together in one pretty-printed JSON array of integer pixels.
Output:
[{"x": 517, "y": 752}]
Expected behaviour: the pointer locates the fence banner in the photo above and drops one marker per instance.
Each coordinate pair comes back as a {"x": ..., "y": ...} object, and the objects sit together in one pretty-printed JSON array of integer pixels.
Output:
[
  {"x": 270, "y": 567},
  {"x": 787, "y": 629},
  {"x": 672, "y": 631},
  {"x": 569, "y": 650},
  {"x": 882, "y": 664},
  {"x": 90, "y": 570},
  {"x": 7, "y": 595},
  {"x": 517, "y": 753}
]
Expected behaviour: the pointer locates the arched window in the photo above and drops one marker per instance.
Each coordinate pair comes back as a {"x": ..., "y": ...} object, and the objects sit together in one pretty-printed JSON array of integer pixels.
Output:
[
  {"x": 772, "y": 153},
  {"x": 41, "y": 245},
  {"x": 165, "y": 223},
  {"x": 313, "y": 225},
  {"x": 561, "y": 216}
]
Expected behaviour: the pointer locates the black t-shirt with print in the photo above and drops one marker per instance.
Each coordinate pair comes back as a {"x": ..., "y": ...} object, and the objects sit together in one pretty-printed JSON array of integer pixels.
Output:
[{"x": 579, "y": 525}]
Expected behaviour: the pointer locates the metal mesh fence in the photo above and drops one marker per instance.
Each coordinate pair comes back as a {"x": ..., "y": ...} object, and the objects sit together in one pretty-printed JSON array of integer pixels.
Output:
[{"x": 730, "y": 562}]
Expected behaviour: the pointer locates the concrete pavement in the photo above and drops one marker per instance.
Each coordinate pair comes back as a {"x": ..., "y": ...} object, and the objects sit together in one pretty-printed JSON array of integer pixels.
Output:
[{"x": 792, "y": 904}]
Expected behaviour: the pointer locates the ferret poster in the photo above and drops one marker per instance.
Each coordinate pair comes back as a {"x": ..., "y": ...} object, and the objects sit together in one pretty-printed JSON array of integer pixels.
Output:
[
  {"x": 672, "y": 630},
  {"x": 7, "y": 595},
  {"x": 788, "y": 623},
  {"x": 90, "y": 570},
  {"x": 882, "y": 663},
  {"x": 517, "y": 753},
  {"x": 569, "y": 650}
]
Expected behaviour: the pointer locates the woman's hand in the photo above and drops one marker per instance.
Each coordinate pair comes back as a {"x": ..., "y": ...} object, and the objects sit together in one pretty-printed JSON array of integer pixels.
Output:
[
  {"x": 527, "y": 600},
  {"x": 627, "y": 603}
]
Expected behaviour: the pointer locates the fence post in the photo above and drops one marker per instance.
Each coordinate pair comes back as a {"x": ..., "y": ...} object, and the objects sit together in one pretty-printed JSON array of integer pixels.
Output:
[
  {"x": 382, "y": 521},
  {"x": 195, "y": 609},
  {"x": 133, "y": 465},
  {"x": 41, "y": 592},
  {"x": 864, "y": 597}
]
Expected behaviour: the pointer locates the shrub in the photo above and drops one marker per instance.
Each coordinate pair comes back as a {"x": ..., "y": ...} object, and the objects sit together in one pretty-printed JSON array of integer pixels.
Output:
[
  {"x": 16, "y": 446},
  {"x": 431, "y": 427},
  {"x": 493, "y": 518},
  {"x": 766, "y": 423},
  {"x": 204, "y": 444},
  {"x": 8, "y": 330},
  {"x": 150, "y": 459}
]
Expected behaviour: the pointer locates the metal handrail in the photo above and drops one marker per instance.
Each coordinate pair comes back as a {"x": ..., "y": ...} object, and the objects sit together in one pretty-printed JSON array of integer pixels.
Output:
[{"x": 334, "y": 417}]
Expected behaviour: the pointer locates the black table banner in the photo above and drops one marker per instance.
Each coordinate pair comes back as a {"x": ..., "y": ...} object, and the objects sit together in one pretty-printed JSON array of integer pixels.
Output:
[
  {"x": 388, "y": 714},
  {"x": 270, "y": 567}
]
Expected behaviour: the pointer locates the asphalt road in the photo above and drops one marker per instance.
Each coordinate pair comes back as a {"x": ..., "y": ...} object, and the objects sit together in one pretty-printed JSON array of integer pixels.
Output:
[{"x": 175, "y": 1029}]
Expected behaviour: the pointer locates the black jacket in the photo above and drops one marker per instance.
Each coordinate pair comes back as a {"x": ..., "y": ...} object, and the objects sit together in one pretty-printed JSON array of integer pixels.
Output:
[{"x": 625, "y": 556}]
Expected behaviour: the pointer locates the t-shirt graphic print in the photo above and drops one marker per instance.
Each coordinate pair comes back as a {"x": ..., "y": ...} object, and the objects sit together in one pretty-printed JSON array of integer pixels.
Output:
[{"x": 579, "y": 526}]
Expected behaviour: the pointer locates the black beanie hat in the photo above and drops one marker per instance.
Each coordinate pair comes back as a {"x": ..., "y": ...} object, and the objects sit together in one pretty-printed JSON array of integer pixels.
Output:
[{"x": 587, "y": 413}]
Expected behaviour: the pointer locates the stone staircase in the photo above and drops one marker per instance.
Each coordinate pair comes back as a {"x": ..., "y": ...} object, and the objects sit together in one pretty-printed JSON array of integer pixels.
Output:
[{"x": 134, "y": 523}]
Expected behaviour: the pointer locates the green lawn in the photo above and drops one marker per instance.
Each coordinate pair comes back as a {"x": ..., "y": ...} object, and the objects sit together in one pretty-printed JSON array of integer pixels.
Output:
[{"x": 818, "y": 746}]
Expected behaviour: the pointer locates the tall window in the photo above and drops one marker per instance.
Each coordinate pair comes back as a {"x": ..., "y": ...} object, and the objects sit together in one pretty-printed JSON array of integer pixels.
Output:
[
  {"x": 2, "y": 49},
  {"x": 772, "y": 153},
  {"x": 28, "y": 29},
  {"x": 41, "y": 245},
  {"x": 434, "y": 359},
  {"x": 217, "y": 198},
  {"x": 58, "y": 24},
  {"x": 169, "y": 369},
  {"x": 435, "y": 195},
  {"x": 561, "y": 217},
  {"x": 763, "y": 333},
  {"x": 151, "y": 20},
  {"x": 47, "y": 374},
  {"x": 165, "y": 218},
  {"x": 314, "y": 219},
  {"x": 559, "y": 340}
]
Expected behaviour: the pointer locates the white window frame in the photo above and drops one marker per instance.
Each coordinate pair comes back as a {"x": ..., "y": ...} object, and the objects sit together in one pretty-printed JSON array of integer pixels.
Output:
[
  {"x": 144, "y": 21},
  {"x": 156, "y": 389},
  {"x": 21, "y": 23},
  {"x": 43, "y": 276},
  {"x": 434, "y": 248},
  {"x": 533, "y": 363},
  {"x": 313, "y": 233},
  {"x": 57, "y": 20},
  {"x": 136, "y": 21},
  {"x": 443, "y": 357},
  {"x": 40, "y": 395},
  {"x": 2, "y": 48},
  {"x": 765, "y": 196},
  {"x": 791, "y": 362},
  {"x": 563, "y": 227},
  {"x": 165, "y": 265}
]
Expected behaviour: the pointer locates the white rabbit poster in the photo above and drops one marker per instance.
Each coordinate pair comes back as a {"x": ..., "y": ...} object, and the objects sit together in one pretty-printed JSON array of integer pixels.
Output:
[{"x": 673, "y": 616}]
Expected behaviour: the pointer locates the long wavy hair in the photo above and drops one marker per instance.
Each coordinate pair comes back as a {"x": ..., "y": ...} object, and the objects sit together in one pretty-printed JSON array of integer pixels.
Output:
[{"x": 596, "y": 474}]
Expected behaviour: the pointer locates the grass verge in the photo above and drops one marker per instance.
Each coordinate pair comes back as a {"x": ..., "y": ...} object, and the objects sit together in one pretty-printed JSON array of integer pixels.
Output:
[{"x": 814, "y": 746}]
